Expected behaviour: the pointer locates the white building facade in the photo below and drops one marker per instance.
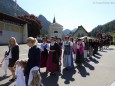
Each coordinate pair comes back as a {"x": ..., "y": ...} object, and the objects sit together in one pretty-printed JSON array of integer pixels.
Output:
[
  {"x": 55, "y": 30},
  {"x": 10, "y": 27}
]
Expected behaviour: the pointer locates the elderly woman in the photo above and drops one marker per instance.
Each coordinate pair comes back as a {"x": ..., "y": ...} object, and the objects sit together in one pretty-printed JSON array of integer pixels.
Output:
[
  {"x": 13, "y": 55},
  {"x": 33, "y": 58}
]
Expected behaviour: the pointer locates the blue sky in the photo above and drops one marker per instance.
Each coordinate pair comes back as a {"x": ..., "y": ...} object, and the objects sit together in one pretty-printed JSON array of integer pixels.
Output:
[{"x": 72, "y": 13}]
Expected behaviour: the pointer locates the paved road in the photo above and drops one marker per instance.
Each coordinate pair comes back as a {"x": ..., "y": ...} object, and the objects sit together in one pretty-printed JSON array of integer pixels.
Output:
[{"x": 98, "y": 72}]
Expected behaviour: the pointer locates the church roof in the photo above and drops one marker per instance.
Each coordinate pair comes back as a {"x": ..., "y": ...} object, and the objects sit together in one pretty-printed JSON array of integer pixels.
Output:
[
  {"x": 56, "y": 24},
  {"x": 79, "y": 28}
]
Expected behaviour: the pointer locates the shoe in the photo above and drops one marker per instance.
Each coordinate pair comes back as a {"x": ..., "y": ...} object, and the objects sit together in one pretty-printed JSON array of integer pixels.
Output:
[
  {"x": 4, "y": 75},
  {"x": 12, "y": 80},
  {"x": 67, "y": 68}
]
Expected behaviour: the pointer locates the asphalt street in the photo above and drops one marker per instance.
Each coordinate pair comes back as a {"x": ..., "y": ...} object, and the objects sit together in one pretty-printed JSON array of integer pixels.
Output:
[{"x": 100, "y": 71}]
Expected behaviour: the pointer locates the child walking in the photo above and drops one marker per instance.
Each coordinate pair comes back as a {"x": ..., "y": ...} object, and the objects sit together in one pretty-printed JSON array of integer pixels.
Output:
[
  {"x": 5, "y": 63},
  {"x": 20, "y": 79}
]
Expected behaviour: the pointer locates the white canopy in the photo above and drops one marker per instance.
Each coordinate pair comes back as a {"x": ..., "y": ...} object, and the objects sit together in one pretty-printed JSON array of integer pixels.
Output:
[{"x": 87, "y": 37}]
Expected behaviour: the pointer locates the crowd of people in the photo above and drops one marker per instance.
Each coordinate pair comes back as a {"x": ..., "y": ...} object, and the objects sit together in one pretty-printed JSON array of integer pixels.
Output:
[
  {"x": 104, "y": 40},
  {"x": 50, "y": 56}
]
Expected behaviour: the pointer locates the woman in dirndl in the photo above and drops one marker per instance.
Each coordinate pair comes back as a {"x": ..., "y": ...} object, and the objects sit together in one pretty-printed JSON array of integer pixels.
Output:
[
  {"x": 67, "y": 61},
  {"x": 79, "y": 53},
  {"x": 72, "y": 52},
  {"x": 44, "y": 53},
  {"x": 91, "y": 48},
  {"x": 60, "y": 45},
  {"x": 53, "y": 57}
]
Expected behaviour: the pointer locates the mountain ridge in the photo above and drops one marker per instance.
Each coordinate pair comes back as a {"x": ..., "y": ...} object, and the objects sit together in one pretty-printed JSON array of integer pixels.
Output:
[
  {"x": 107, "y": 27},
  {"x": 8, "y": 7}
]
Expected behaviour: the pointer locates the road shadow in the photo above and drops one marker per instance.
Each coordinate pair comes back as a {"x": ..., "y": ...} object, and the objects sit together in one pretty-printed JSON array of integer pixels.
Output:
[
  {"x": 103, "y": 51},
  {"x": 82, "y": 71},
  {"x": 51, "y": 80},
  {"x": 6, "y": 84},
  {"x": 86, "y": 64},
  {"x": 96, "y": 56},
  {"x": 94, "y": 60},
  {"x": 68, "y": 75},
  {"x": 4, "y": 77},
  {"x": 111, "y": 49}
]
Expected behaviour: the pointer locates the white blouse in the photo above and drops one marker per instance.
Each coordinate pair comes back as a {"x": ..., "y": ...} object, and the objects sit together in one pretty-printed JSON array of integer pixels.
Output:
[
  {"x": 42, "y": 49},
  {"x": 10, "y": 55}
]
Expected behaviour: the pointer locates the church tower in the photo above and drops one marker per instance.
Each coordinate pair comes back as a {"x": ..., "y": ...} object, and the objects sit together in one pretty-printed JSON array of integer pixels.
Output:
[
  {"x": 54, "y": 21},
  {"x": 55, "y": 29}
]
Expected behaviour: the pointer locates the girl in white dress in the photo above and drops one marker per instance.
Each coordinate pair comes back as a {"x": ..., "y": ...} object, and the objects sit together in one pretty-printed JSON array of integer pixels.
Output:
[
  {"x": 5, "y": 63},
  {"x": 20, "y": 79}
]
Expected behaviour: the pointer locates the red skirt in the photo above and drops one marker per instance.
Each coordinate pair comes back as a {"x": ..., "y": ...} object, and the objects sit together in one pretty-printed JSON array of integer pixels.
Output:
[
  {"x": 51, "y": 66},
  {"x": 43, "y": 60}
]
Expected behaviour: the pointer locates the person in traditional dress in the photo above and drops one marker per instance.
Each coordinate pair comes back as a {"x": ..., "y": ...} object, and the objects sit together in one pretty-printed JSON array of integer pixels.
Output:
[
  {"x": 53, "y": 57},
  {"x": 20, "y": 78},
  {"x": 96, "y": 45},
  {"x": 67, "y": 61},
  {"x": 91, "y": 47},
  {"x": 74, "y": 48},
  {"x": 79, "y": 51},
  {"x": 72, "y": 51},
  {"x": 101, "y": 44},
  {"x": 86, "y": 48},
  {"x": 60, "y": 45},
  {"x": 108, "y": 37},
  {"x": 44, "y": 53}
]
